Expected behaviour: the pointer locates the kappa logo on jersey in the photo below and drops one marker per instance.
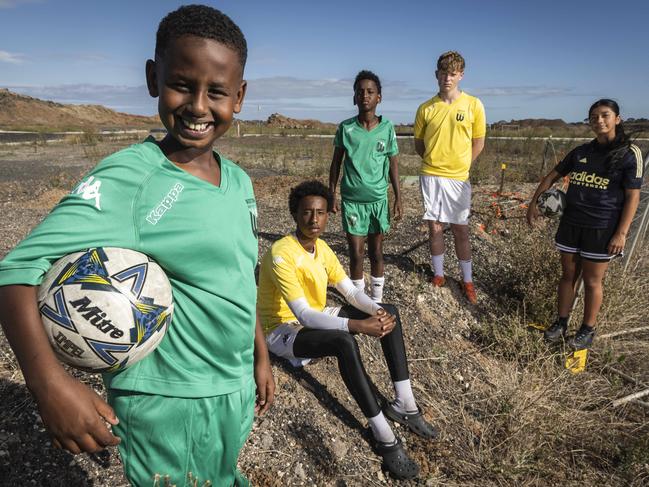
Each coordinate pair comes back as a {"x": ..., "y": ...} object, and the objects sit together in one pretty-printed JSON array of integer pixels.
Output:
[
  {"x": 89, "y": 190},
  {"x": 459, "y": 116},
  {"x": 252, "y": 208},
  {"x": 349, "y": 129},
  {"x": 380, "y": 146},
  {"x": 165, "y": 205}
]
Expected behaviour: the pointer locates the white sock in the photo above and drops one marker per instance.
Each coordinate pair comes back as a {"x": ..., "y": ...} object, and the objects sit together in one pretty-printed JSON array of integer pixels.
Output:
[
  {"x": 376, "y": 288},
  {"x": 359, "y": 284},
  {"x": 381, "y": 429},
  {"x": 405, "y": 400},
  {"x": 465, "y": 267},
  {"x": 437, "y": 262}
]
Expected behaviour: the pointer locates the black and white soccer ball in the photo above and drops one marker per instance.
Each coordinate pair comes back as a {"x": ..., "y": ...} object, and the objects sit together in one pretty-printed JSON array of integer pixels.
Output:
[
  {"x": 552, "y": 203},
  {"x": 105, "y": 308}
]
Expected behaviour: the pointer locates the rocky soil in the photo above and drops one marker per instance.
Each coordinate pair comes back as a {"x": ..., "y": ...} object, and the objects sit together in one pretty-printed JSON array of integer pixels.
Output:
[{"x": 315, "y": 434}]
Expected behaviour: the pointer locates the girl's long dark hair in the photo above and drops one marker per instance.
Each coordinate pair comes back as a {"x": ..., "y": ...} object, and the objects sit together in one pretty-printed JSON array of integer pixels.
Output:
[{"x": 622, "y": 141}]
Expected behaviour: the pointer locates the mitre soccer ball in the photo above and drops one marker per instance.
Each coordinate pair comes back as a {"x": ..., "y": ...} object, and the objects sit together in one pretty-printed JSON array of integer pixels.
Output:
[
  {"x": 552, "y": 202},
  {"x": 105, "y": 308}
]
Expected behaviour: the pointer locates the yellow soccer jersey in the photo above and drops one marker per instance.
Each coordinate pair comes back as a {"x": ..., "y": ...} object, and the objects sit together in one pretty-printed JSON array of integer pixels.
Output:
[
  {"x": 447, "y": 131},
  {"x": 289, "y": 272}
]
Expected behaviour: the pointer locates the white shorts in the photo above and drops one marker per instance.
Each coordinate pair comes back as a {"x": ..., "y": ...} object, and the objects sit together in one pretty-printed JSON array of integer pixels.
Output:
[
  {"x": 280, "y": 340},
  {"x": 446, "y": 200}
]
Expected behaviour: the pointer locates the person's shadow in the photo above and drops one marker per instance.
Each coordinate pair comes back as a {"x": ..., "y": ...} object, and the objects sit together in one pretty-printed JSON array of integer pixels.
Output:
[
  {"x": 306, "y": 433},
  {"x": 27, "y": 456}
]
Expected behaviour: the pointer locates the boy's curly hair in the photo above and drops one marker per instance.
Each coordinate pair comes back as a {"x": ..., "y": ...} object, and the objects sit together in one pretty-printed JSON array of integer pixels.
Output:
[
  {"x": 308, "y": 188},
  {"x": 450, "y": 61},
  {"x": 369, "y": 75},
  {"x": 201, "y": 21}
]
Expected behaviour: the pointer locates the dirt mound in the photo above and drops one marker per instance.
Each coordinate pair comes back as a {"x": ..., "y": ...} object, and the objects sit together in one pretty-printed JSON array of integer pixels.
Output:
[
  {"x": 280, "y": 121},
  {"x": 21, "y": 111}
]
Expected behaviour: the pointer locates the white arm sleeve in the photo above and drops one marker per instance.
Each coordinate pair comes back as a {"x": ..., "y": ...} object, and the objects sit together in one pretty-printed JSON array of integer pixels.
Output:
[
  {"x": 357, "y": 298},
  {"x": 311, "y": 318}
]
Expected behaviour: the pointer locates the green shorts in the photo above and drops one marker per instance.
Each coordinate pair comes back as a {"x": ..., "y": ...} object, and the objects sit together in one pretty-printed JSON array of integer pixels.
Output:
[
  {"x": 364, "y": 218},
  {"x": 175, "y": 435}
]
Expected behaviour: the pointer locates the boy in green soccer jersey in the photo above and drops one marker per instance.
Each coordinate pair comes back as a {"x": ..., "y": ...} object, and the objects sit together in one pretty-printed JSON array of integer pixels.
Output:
[
  {"x": 366, "y": 147},
  {"x": 189, "y": 405}
]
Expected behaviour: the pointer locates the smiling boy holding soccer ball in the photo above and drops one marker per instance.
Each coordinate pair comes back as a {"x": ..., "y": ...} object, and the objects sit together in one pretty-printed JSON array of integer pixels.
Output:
[{"x": 205, "y": 240}]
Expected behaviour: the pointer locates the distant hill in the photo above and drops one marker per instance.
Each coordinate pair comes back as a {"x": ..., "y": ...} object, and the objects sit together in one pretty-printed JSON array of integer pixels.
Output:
[{"x": 24, "y": 112}]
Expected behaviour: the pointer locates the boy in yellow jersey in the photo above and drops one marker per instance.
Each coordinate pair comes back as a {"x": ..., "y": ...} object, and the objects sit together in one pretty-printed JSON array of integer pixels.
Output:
[
  {"x": 292, "y": 304},
  {"x": 450, "y": 131}
]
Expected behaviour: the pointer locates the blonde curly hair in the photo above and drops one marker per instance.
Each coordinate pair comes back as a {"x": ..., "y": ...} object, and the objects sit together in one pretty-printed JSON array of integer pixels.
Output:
[{"x": 450, "y": 61}]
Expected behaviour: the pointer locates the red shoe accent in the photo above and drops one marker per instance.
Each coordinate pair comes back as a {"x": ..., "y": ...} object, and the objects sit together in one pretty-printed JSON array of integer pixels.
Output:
[
  {"x": 438, "y": 281},
  {"x": 469, "y": 291}
]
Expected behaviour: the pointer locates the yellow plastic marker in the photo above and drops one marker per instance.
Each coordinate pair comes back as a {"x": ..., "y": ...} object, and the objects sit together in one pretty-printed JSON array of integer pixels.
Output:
[
  {"x": 503, "y": 166},
  {"x": 539, "y": 326},
  {"x": 576, "y": 361}
]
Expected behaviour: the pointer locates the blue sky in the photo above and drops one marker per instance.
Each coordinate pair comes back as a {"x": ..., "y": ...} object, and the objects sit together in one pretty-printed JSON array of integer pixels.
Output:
[{"x": 548, "y": 59}]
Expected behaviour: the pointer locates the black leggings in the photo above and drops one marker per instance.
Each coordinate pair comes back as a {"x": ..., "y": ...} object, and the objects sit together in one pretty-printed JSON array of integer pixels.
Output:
[{"x": 313, "y": 343}]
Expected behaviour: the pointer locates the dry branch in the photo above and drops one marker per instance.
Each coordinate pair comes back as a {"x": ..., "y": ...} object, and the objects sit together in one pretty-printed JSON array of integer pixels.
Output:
[
  {"x": 624, "y": 332},
  {"x": 630, "y": 397}
]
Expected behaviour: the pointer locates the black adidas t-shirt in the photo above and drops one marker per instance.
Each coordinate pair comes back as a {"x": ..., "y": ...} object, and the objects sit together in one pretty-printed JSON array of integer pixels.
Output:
[{"x": 595, "y": 195}]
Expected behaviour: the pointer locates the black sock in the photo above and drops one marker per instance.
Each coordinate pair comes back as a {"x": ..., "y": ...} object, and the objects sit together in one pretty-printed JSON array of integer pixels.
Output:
[
  {"x": 563, "y": 321},
  {"x": 588, "y": 328}
]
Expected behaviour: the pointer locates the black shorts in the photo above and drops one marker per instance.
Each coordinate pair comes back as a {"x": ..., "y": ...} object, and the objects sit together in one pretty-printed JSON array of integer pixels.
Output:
[{"x": 589, "y": 243}]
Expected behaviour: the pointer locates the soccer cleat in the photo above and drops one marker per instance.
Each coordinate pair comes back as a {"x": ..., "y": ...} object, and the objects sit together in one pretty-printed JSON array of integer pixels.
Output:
[
  {"x": 438, "y": 281},
  {"x": 556, "y": 332},
  {"x": 469, "y": 292},
  {"x": 583, "y": 339}
]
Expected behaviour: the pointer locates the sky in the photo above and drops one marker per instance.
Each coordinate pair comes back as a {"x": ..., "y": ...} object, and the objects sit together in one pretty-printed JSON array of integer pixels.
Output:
[{"x": 548, "y": 59}]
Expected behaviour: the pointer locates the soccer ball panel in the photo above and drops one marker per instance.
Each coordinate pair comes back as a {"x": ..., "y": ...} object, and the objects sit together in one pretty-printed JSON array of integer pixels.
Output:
[
  {"x": 105, "y": 308},
  {"x": 552, "y": 202}
]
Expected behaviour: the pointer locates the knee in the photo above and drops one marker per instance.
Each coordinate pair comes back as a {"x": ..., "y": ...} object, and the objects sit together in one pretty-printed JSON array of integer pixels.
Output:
[
  {"x": 436, "y": 229},
  {"x": 345, "y": 343},
  {"x": 355, "y": 254},
  {"x": 375, "y": 255},
  {"x": 460, "y": 232},
  {"x": 390, "y": 308},
  {"x": 592, "y": 283}
]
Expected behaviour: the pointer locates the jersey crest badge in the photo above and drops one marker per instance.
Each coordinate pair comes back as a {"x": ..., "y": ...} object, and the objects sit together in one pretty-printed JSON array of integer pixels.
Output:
[
  {"x": 380, "y": 146},
  {"x": 459, "y": 116}
]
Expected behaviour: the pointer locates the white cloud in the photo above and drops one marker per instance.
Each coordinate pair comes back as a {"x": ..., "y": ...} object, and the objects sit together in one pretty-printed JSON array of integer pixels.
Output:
[
  {"x": 10, "y": 57},
  {"x": 535, "y": 91}
]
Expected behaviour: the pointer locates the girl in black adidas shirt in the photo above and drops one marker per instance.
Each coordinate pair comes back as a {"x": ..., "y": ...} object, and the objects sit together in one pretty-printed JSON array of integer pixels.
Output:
[{"x": 602, "y": 198}]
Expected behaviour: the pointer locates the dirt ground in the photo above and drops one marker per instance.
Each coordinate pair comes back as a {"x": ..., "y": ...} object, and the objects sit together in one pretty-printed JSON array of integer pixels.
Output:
[{"x": 507, "y": 408}]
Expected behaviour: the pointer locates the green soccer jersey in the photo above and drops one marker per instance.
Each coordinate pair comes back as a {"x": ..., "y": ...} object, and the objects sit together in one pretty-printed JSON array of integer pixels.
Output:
[
  {"x": 367, "y": 159},
  {"x": 203, "y": 236}
]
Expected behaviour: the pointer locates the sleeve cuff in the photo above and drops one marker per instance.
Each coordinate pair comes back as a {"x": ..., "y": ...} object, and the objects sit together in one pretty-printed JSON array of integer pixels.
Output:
[{"x": 30, "y": 276}]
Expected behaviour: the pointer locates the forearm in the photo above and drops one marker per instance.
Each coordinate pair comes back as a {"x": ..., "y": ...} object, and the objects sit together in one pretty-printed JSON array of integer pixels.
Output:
[
  {"x": 631, "y": 202},
  {"x": 22, "y": 325},
  {"x": 311, "y": 318},
  {"x": 261, "y": 350},
  {"x": 334, "y": 169},
  {"x": 394, "y": 176},
  {"x": 420, "y": 147},
  {"x": 545, "y": 184},
  {"x": 357, "y": 298},
  {"x": 477, "y": 145}
]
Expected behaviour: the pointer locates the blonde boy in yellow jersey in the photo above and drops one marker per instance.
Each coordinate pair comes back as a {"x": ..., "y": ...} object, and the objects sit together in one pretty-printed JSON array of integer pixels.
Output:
[{"x": 450, "y": 131}]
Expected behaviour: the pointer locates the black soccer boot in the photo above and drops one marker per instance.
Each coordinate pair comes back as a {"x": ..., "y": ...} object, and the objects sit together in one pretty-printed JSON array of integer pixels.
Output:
[
  {"x": 557, "y": 331},
  {"x": 583, "y": 338}
]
